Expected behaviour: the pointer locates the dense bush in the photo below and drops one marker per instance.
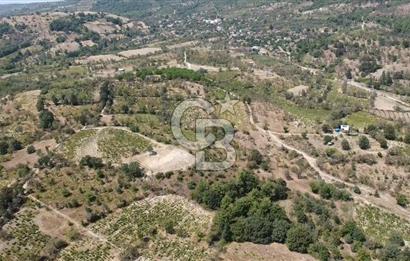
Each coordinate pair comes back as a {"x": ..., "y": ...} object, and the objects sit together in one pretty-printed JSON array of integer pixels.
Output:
[
  {"x": 345, "y": 145},
  {"x": 11, "y": 198},
  {"x": 247, "y": 209},
  {"x": 329, "y": 191},
  {"x": 46, "y": 119},
  {"x": 72, "y": 23},
  {"x": 91, "y": 162},
  {"x": 5, "y": 28},
  {"x": 364, "y": 143},
  {"x": 402, "y": 200},
  {"x": 9, "y": 145},
  {"x": 31, "y": 149},
  {"x": 351, "y": 232},
  {"x": 132, "y": 170},
  {"x": 299, "y": 238}
]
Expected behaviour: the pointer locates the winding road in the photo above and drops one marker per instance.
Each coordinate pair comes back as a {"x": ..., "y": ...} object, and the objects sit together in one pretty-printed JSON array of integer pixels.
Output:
[{"x": 385, "y": 201}]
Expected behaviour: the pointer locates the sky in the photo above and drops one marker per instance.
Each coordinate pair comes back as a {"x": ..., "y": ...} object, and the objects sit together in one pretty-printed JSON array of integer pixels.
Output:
[{"x": 24, "y": 1}]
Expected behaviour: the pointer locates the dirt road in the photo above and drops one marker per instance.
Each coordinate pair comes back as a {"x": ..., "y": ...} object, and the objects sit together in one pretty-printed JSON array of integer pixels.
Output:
[
  {"x": 385, "y": 201},
  {"x": 80, "y": 227},
  {"x": 389, "y": 96}
]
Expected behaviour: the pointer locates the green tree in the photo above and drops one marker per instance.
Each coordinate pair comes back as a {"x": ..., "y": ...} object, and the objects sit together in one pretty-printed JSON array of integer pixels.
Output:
[
  {"x": 299, "y": 237},
  {"x": 31, "y": 149},
  {"x": 279, "y": 230},
  {"x": 402, "y": 200},
  {"x": 389, "y": 132},
  {"x": 132, "y": 170},
  {"x": 46, "y": 119},
  {"x": 327, "y": 139},
  {"x": 345, "y": 145},
  {"x": 364, "y": 143}
]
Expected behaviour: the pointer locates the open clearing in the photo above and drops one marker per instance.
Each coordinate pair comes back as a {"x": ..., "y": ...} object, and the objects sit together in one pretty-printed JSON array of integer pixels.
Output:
[
  {"x": 120, "y": 145},
  {"x": 138, "y": 52},
  {"x": 166, "y": 158},
  {"x": 249, "y": 251},
  {"x": 298, "y": 90},
  {"x": 99, "y": 59},
  {"x": 22, "y": 157}
]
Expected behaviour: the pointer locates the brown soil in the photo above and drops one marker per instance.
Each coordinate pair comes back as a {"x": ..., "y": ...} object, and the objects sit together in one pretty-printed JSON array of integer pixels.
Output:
[{"x": 250, "y": 251}]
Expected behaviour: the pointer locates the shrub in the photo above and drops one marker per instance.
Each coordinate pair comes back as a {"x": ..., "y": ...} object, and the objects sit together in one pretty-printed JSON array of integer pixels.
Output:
[
  {"x": 351, "y": 230},
  {"x": 46, "y": 119},
  {"x": 133, "y": 170},
  {"x": 299, "y": 237},
  {"x": 91, "y": 162},
  {"x": 327, "y": 139},
  {"x": 368, "y": 159},
  {"x": 4, "y": 147},
  {"x": 357, "y": 190},
  {"x": 402, "y": 200},
  {"x": 383, "y": 144},
  {"x": 329, "y": 191},
  {"x": 320, "y": 251},
  {"x": 279, "y": 230},
  {"x": 31, "y": 149},
  {"x": 46, "y": 162},
  {"x": 389, "y": 132},
  {"x": 364, "y": 143},
  {"x": 345, "y": 145}
]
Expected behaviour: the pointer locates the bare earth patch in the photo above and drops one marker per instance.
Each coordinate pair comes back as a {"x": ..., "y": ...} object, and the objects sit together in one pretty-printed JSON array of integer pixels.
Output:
[
  {"x": 137, "y": 52},
  {"x": 50, "y": 224},
  {"x": 298, "y": 90},
  {"x": 101, "y": 27},
  {"x": 250, "y": 251},
  {"x": 22, "y": 157},
  {"x": 68, "y": 47},
  {"x": 99, "y": 59},
  {"x": 167, "y": 158}
]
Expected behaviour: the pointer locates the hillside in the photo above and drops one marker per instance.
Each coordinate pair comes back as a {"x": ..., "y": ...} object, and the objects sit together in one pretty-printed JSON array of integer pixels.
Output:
[{"x": 205, "y": 130}]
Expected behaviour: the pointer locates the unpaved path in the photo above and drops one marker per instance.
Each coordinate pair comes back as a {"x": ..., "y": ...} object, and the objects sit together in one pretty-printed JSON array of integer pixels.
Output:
[
  {"x": 389, "y": 96},
  {"x": 385, "y": 201},
  {"x": 80, "y": 227}
]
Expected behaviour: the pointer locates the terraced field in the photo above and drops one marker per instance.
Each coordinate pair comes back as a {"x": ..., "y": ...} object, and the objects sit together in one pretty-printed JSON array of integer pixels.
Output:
[
  {"x": 174, "y": 228},
  {"x": 111, "y": 144},
  {"x": 380, "y": 224}
]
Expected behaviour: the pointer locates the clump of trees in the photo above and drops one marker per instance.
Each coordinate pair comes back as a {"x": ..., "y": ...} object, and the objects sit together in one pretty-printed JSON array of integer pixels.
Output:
[
  {"x": 92, "y": 162},
  {"x": 402, "y": 200},
  {"x": 368, "y": 64},
  {"x": 106, "y": 94},
  {"x": 132, "y": 170},
  {"x": 9, "y": 145},
  {"x": 256, "y": 160},
  {"x": 329, "y": 191},
  {"x": 46, "y": 117},
  {"x": 247, "y": 209},
  {"x": 5, "y": 28},
  {"x": 11, "y": 198},
  {"x": 72, "y": 23},
  {"x": 172, "y": 73}
]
